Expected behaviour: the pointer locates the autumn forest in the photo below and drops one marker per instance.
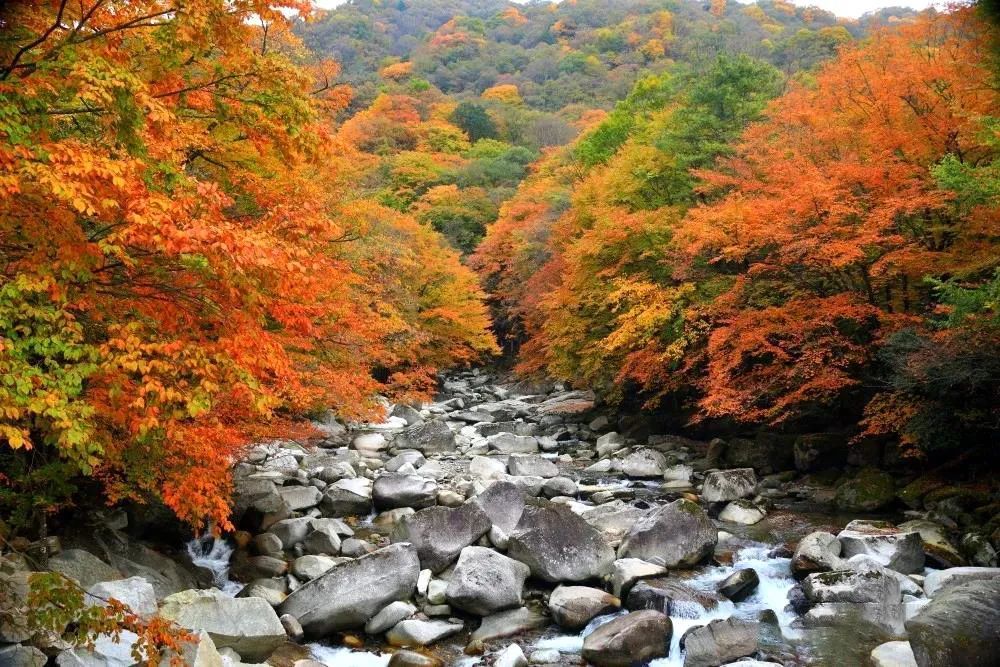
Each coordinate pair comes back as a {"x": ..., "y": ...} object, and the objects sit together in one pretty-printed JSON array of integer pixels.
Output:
[{"x": 225, "y": 221}]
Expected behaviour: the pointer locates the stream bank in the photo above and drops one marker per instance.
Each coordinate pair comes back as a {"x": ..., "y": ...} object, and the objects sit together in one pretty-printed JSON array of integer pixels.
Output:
[{"x": 508, "y": 524}]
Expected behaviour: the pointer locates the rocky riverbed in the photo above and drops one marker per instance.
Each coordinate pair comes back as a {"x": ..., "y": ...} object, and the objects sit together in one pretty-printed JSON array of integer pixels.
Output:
[{"x": 509, "y": 524}]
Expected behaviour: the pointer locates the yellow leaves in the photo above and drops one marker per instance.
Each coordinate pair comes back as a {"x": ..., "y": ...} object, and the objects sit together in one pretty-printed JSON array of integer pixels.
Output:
[{"x": 16, "y": 438}]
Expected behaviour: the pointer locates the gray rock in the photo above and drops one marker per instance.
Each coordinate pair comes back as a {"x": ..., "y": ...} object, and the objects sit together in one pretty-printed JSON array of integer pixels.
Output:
[
  {"x": 505, "y": 624},
  {"x": 439, "y": 533},
  {"x": 300, "y": 497},
  {"x": 893, "y": 654},
  {"x": 16, "y": 655},
  {"x": 677, "y": 535},
  {"x": 351, "y": 593},
  {"x": 292, "y": 627},
  {"x": 411, "y": 456},
  {"x": 899, "y": 551},
  {"x": 508, "y": 443},
  {"x": 726, "y": 485},
  {"x": 408, "y": 414},
  {"x": 529, "y": 464},
  {"x": 625, "y": 572},
  {"x": 559, "y": 486},
  {"x": 310, "y": 567},
  {"x": 558, "y": 545},
  {"x": 816, "y": 552},
  {"x": 937, "y": 547},
  {"x": 740, "y": 584},
  {"x": 322, "y": 541},
  {"x": 416, "y": 632},
  {"x": 433, "y": 437},
  {"x": 720, "y": 642},
  {"x": 512, "y": 656},
  {"x": 369, "y": 443},
  {"x": 484, "y": 582},
  {"x": 393, "y": 490},
  {"x": 290, "y": 531},
  {"x": 940, "y": 580},
  {"x": 83, "y": 567},
  {"x": 389, "y": 616},
  {"x": 347, "y": 497},
  {"x": 959, "y": 626},
  {"x": 644, "y": 463},
  {"x": 487, "y": 467},
  {"x": 135, "y": 593},
  {"x": 249, "y": 625},
  {"x": 636, "y": 637},
  {"x": 742, "y": 512},
  {"x": 609, "y": 443},
  {"x": 573, "y": 607},
  {"x": 267, "y": 544},
  {"x": 866, "y": 585},
  {"x": 614, "y": 519},
  {"x": 503, "y": 503}
]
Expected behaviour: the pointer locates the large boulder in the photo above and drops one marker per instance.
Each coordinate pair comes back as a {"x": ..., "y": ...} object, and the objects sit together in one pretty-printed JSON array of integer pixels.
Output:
[
  {"x": 870, "y": 490},
  {"x": 862, "y": 585},
  {"x": 530, "y": 464},
  {"x": 16, "y": 655},
  {"x": 347, "y": 497},
  {"x": 816, "y": 552},
  {"x": 614, "y": 519},
  {"x": 644, "y": 463},
  {"x": 677, "y": 535},
  {"x": 960, "y": 626},
  {"x": 135, "y": 593},
  {"x": 726, "y": 485},
  {"x": 558, "y": 545},
  {"x": 393, "y": 490},
  {"x": 894, "y": 549},
  {"x": 484, "y": 581},
  {"x": 742, "y": 512},
  {"x": 508, "y": 443},
  {"x": 573, "y": 607},
  {"x": 440, "y": 533},
  {"x": 893, "y": 654},
  {"x": 636, "y": 637},
  {"x": 433, "y": 437},
  {"x": 940, "y": 580},
  {"x": 720, "y": 642},
  {"x": 938, "y": 549},
  {"x": 351, "y": 593},
  {"x": 299, "y": 498},
  {"x": 248, "y": 625},
  {"x": 625, "y": 572},
  {"x": 503, "y": 503},
  {"x": 740, "y": 584},
  {"x": 83, "y": 567}
]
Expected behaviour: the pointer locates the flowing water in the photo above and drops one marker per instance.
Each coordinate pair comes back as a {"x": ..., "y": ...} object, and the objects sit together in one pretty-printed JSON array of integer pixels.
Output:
[
  {"x": 771, "y": 594},
  {"x": 213, "y": 554}
]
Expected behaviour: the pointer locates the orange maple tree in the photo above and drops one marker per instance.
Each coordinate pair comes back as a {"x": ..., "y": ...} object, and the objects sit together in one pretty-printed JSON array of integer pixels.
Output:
[{"x": 185, "y": 271}]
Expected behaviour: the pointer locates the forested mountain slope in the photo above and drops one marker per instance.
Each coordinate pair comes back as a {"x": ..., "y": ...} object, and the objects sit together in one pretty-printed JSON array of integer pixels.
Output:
[{"x": 582, "y": 52}]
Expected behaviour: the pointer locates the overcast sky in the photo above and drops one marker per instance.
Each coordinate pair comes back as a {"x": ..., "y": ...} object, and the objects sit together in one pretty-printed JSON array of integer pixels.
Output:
[{"x": 852, "y": 8}]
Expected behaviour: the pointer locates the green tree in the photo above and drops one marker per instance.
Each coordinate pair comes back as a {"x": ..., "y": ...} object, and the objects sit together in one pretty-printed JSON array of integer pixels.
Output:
[{"x": 474, "y": 121}]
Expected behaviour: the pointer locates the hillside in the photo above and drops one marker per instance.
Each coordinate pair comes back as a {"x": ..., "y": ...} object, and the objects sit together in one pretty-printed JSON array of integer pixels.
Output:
[{"x": 587, "y": 52}]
